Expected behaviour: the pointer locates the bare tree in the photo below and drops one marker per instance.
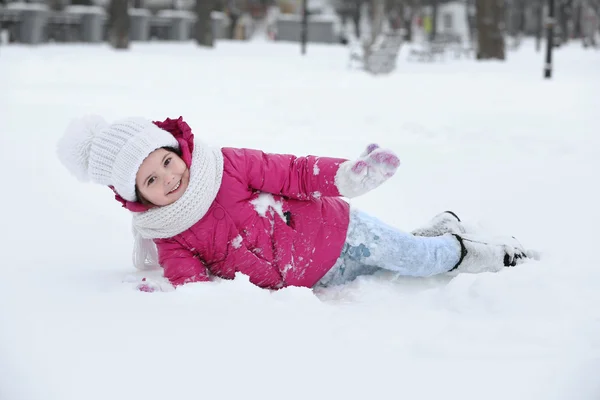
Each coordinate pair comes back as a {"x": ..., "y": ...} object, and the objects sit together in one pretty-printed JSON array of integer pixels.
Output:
[
  {"x": 399, "y": 14},
  {"x": 589, "y": 23},
  {"x": 118, "y": 24},
  {"x": 204, "y": 28},
  {"x": 470, "y": 18},
  {"x": 539, "y": 27},
  {"x": 394, "y": 12},
  {"x": 517, "y": 14},
  {"x": 522, "y": 16},
  {"x": 577, "y": 11},
  {"x": 405, "y": 11},
  {"x": 490, "y": 29},
  {"x": 355, "y": 13},
  {"x": 378, "y": 17},
  {"x": 565, "y": 14},
  {"x": 434, "y": 17},
  {"x": 518, "y": 17}
]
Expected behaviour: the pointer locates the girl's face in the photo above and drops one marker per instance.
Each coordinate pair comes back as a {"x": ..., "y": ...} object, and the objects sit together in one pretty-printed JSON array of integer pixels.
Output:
[{"x": 162, "y": 178}]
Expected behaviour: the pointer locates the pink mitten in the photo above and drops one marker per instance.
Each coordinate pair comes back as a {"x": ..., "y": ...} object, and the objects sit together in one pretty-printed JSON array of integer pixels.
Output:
[{"x": 371, "y": 169}]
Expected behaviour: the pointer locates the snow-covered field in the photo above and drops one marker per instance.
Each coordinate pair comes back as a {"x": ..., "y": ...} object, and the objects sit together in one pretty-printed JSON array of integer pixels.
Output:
[{"x": 505, "y": 149}]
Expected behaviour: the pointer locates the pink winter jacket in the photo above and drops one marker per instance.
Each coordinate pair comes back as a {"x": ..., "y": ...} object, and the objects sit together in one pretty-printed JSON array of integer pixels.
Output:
[
  {"x": 273, "y": 250},
  {"x": 294, "y": 245}
]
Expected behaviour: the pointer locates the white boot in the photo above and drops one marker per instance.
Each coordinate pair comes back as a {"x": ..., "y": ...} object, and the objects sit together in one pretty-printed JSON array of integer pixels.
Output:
[
  {"x": 446, "y": 222},
  {"x": 481, "y": 255}
]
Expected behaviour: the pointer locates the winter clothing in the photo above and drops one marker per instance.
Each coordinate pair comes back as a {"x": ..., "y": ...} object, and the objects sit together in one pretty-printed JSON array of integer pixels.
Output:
[
  {"x": 111, "y": 154},
  {"x": 276, "y": 218},
  {"x": 445, "y": 222},
  {"x": 206, "y": 174},
  {"x": 372, "y": 245},
  {"x": 481, "y": 254},
  {"x": 441, "y": 246},
  {"x": 273, "y": 219},
  {"x": 279, "y": 219},
  {"x": 372, "y": 168}
]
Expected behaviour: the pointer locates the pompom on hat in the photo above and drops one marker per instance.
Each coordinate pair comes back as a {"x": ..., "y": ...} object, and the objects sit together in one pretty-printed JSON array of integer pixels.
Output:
[{"x": 111, "y": 154}]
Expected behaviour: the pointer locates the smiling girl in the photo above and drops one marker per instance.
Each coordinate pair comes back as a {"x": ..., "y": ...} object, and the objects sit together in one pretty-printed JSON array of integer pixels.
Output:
[{"x": 201, "y": 212}]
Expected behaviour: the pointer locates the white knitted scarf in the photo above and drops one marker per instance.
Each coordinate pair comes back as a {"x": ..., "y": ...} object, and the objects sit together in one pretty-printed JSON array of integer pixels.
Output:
[{"x": 206, "y": 173}]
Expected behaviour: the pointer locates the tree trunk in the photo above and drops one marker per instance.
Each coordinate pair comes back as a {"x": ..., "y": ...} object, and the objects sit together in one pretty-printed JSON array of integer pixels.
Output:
[
  {"x": 408, "y": 18},
  {"x": 434, "y": 17},
  {"x": 521, "y": 21},
  {"x": 566, "y": 14},
  {"x": 523, "y": 17},
  {"x": 118, "y": 24},
  {"x": 549, "y": 38},
  {"x": 577, "y": 20},
  {"x": 516, "y": 17},
  {"x": 469, "y": 17},
  {"x": 518, "y": 20},
  {"x": 394, "y": 12},
  {"x": 204, "y": 32},
  {"x": 378, "y": 19},
  {"x": 561, "y": 18},
  {"x": 401, "y": 10},
  {"x": 356, "y": 6},
  {"x": 539, "y": 18},
  {"x": 304, "y": 30},
  {"x": 414, "y": 9},
  {"x": 490, "y": 29}
]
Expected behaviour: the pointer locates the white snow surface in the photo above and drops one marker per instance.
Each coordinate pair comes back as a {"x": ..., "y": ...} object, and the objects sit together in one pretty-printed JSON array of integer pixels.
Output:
[{"x": 507, "y": 150}]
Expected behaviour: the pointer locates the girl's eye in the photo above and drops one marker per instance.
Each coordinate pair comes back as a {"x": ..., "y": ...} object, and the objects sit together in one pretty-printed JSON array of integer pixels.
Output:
[
  {"x": 167, "y": 161},
  {"x": 151, "y": 181}
]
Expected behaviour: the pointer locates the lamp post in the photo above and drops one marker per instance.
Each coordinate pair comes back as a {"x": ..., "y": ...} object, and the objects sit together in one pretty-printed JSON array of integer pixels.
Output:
[
  {"x": 304, "y": 31},
  {"x": 550, "y": 39}
]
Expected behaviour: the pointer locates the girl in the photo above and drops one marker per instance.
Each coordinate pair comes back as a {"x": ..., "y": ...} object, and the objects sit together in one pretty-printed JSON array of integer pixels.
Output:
[{"x": 200, "y": 212}]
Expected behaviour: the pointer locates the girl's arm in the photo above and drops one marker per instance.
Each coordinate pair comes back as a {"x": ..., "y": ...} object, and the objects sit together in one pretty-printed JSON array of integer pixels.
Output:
[
  {"x": 239, "y": 259},
  {"x": 179, "y": 264},
  {"x": 308, "y": 177},
  {"x": 301, "y": 178}
]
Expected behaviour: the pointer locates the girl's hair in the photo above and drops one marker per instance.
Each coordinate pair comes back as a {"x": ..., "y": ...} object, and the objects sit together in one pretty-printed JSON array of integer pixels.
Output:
[{"x": 138, "y": 194}]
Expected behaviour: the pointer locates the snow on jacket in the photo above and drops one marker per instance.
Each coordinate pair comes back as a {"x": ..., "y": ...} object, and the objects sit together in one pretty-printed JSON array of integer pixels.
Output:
[{"x": 277, "y": 219}]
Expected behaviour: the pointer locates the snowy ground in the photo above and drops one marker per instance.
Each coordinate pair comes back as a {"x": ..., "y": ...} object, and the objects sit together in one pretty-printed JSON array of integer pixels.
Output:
[{"x": 507, "y": 150}]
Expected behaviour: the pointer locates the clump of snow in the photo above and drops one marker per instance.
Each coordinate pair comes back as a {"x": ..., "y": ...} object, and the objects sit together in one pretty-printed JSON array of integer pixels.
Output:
[
  {"x": 185, "y": 14},
  {"x": 265, "y": 202},
  {"x": 237, "y": 242},
  {"x": 316, "y": 169},
  {"x": 27, "y": 6},
  {"x": 139, "y": 12},
  {"x": 81, "y": 9}
]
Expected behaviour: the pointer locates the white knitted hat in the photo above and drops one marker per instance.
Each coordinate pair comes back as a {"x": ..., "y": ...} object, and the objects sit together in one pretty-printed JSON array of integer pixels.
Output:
[{"x": 111, "y": 154}]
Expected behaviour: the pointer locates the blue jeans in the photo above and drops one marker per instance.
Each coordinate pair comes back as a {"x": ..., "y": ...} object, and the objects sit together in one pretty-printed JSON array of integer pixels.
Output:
[{"x": 372, "y": 245}]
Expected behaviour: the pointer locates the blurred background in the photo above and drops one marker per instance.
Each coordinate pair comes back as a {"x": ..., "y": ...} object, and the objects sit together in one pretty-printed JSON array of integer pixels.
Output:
[
  {"x": 456, "y": 88},
  {"x": 479, "y": 28}
]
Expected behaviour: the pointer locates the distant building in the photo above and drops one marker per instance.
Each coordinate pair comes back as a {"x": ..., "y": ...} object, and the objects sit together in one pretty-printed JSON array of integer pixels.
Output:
[{"x": 452, "y": 19}]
